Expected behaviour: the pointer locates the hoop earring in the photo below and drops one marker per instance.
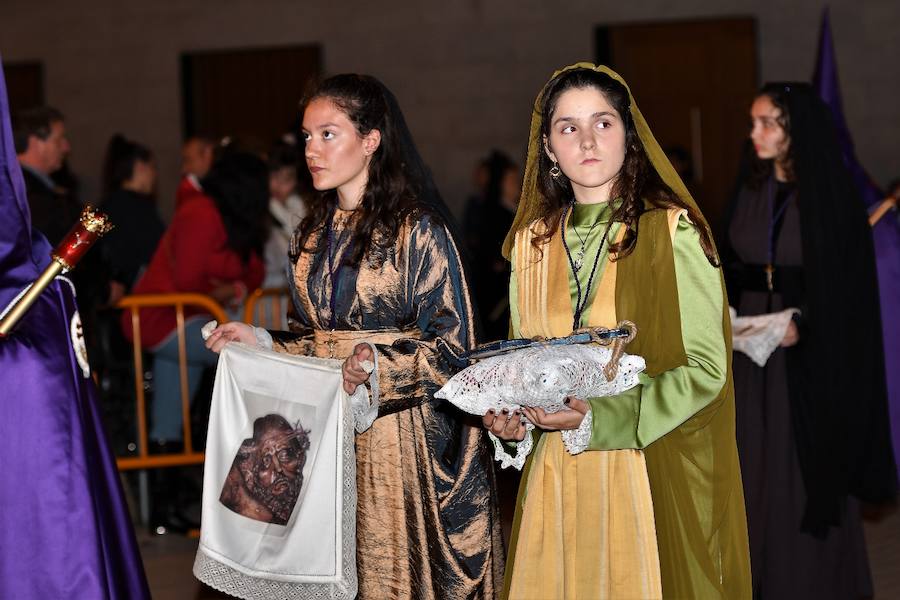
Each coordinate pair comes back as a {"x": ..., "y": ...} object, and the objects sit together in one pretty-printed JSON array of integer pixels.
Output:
[{"x": 555, "y": 171}]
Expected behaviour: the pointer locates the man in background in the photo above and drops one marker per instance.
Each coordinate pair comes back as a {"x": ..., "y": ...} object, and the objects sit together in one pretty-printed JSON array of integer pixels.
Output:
[
  {"x": 197, "y": 157},
  {"x": 41, "y": 148}
]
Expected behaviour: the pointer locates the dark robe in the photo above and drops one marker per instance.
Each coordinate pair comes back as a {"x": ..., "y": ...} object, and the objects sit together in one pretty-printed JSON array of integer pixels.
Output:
[
  {"x": 129, "y": 247},
  {"x": 53, "y": 210},
  {"x": 787, "y": 562}
]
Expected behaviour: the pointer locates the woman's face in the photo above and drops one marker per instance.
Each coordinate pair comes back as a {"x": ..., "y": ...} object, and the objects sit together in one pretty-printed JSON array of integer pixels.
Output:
[
  {"x": 587, "y": 140},
  {"x": 770, "y": 140},
  {"x": 143, "y": 177},
  {"x": 282, "y": 183},
  {"x": 337, "y": 156}
]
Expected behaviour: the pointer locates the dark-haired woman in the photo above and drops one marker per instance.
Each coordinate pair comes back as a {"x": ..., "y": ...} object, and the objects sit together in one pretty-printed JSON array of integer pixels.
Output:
[
  {"x": 129, "y": 183},
  {"x": 812, "y": 422},
  {"x": 652, "y": 505},
  {"x": 375, "y": 261},
  {"x": 286, "y": 210},
  {"x": 213, "y": 246}
]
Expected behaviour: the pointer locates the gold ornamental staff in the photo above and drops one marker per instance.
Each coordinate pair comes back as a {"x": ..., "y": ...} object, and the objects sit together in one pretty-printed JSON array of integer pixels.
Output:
[{"x": 91, "y": 225}]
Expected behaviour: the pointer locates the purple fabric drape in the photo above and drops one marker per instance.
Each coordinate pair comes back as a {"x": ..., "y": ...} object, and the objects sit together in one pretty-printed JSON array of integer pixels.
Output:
[
  {"x": 885, "y": 233},
  {"x": 65, "y": 531}
]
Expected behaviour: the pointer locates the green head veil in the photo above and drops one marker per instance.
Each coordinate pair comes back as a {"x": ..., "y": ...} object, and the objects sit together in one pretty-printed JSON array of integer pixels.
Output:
[{"x": 530, "y": 205}]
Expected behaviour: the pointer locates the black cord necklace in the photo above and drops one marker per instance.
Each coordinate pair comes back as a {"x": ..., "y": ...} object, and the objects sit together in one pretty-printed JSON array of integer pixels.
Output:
[{"x": 580, "y": 304}]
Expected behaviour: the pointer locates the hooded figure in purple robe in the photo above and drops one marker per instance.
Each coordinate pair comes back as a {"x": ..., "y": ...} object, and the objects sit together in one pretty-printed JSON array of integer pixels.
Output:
[
  {"x": 885, "y": 233},
  {"x": 65, "y": 531}
]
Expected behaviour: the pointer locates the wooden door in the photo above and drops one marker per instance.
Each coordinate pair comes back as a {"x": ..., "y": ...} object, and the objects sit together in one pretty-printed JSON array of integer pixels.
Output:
[
  {"x": 24, "y": 85},
  {"x": 251, "y": 95},
  {"x": 694, "y": 82}
]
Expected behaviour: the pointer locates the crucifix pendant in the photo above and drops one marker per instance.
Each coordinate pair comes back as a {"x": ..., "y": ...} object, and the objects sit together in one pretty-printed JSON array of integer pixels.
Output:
[
  {"x": 578, "y": 261},
  {"x": 770, "y": 277}
]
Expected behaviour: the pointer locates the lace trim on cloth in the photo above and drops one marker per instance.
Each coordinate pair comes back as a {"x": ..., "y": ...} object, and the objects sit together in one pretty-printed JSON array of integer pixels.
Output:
[
  {"x": 758, "y": 336},
  {"x": 576, "y": 440},
  {"x": 231, "y": 581},
  {"x": 523, "y": 449},
  {"x": 263, "y": 338},
  {"x": 540, "y": 377}
]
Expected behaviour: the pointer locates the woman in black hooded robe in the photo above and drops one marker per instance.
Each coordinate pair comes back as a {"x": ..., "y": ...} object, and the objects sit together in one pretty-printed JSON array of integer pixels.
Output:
[{"x": 812, "y": 424}]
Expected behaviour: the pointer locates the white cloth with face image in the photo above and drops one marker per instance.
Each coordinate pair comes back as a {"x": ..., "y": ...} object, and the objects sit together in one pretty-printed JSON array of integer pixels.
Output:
[{"x": 279, "y": 489}]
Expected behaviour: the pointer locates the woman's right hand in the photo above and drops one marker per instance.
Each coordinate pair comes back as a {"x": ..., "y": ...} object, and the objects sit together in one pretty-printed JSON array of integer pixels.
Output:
[
  {"x": 506, "y": 426},
  {"x": 234, "y": 331}
]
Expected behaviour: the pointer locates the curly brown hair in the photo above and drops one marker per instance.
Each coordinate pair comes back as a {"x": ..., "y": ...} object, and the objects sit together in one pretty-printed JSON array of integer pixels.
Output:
[
  {"x": 638, "y": 183},
  {"x": 390, "y": 196}
]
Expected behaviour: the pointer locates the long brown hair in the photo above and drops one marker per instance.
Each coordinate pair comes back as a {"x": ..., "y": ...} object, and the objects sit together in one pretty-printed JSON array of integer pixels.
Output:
[
  {"x": 761, "y": 170},
  {"x": 637, "y": 185},
  {"x": 390, "y": 196}
]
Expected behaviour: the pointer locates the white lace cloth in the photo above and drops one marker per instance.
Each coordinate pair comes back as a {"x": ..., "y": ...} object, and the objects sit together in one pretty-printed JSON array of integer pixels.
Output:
[
  {"x": 758, "y": 336},
  {"x": 313, "y": 555},
  {"x": 540, "y": 377}
]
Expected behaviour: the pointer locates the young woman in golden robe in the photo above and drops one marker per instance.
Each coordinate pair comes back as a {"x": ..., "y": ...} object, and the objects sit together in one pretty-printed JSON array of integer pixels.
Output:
[
  {"x": 606, "y": 231},
  {"x": 375, "y": 261}
]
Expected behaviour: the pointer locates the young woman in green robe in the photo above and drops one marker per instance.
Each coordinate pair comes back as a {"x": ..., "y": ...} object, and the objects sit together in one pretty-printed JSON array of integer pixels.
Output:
[{"x": 605, "y": 231}]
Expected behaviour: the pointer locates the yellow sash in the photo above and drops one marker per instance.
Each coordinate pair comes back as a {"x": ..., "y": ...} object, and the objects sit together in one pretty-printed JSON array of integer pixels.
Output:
[{"x": 586, "y": 527}]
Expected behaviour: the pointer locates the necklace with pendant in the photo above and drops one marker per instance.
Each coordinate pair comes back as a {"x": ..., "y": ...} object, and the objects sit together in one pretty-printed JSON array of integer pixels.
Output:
[
  {"x": 582, "y": 298},
  {"x": 578, "y": 260}
]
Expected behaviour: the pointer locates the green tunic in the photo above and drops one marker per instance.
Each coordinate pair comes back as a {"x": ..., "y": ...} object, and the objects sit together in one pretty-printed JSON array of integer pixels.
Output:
[
  {"x": 682, "y": 413},
  {"x": 645, "y": 413}
]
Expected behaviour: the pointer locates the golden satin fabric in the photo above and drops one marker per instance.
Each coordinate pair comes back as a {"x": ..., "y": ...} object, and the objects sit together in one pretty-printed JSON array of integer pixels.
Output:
[
  {"x": 585, "y": 522},
  {"x": 427, "y": 522}
]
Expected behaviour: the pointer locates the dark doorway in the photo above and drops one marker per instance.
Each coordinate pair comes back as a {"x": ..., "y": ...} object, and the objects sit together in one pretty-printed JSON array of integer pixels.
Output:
[
  {"x": 251, "y": 95},
  {"x": 24, "y": 84},
  {"x": 694, "y": 81}
]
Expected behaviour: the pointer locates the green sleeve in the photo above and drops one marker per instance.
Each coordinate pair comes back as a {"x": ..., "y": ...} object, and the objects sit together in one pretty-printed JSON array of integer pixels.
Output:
[{"x": 645, "y": 413}]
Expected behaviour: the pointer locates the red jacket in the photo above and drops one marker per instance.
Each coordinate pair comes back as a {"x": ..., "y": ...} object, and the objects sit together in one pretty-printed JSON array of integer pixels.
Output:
[
  {"x": 187, "y": 190},
  {"x": 192, "y": 256}
]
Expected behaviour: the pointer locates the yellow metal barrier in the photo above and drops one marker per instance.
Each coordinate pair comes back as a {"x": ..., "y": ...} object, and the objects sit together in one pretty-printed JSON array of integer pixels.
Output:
[
  {"x": 188, "y": 456},
  {"x": 267, "y": 308}
]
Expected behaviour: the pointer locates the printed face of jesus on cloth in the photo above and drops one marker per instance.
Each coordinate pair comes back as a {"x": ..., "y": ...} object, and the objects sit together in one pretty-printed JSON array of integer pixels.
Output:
[{"x": 267, "y": 473}]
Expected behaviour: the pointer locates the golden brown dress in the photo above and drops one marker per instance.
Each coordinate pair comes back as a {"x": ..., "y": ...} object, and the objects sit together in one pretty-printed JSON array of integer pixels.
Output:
[{"x": 427, "y": 522}]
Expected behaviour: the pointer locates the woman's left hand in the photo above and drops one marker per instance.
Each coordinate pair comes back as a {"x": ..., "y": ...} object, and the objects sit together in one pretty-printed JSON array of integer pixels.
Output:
[
  {"x": 791, "y": 335},
  {"x": 352, "y": 370},
  {"x": 564, "y": 419}
]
